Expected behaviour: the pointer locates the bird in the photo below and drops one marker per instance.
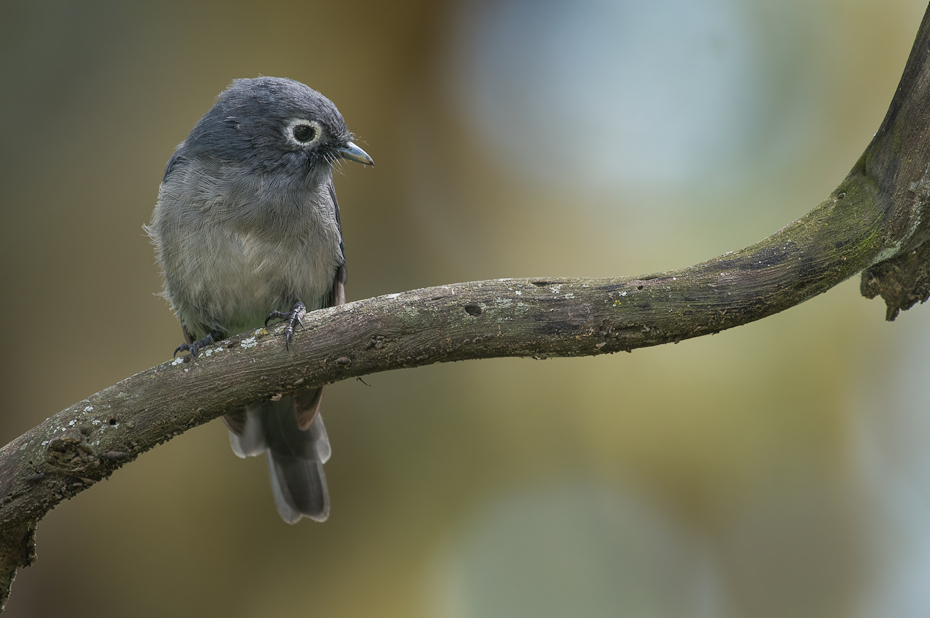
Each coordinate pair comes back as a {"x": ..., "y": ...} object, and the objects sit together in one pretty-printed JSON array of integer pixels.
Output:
[{"x": 246, "y": 229}]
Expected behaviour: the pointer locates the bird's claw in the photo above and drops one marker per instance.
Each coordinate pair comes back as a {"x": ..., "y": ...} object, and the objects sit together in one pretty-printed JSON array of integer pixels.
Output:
[
  {"x": 195, "y": 347},
  {"x": 293, "y": 318}
]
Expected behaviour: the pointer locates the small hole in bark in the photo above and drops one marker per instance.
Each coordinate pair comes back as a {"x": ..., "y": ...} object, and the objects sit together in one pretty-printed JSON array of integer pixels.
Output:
[
  {"x": 112, "y": 421},
  {"x": 639, "y": 287},
  {"x": 473, "y": 310}
]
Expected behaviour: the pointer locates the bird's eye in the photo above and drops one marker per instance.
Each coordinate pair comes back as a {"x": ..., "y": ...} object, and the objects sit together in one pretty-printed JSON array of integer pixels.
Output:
[{"x": 304, "y": 133}]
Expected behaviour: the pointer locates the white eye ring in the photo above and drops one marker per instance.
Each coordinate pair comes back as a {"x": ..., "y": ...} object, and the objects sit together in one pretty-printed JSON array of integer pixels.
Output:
[{"x": 294, "y": 127}]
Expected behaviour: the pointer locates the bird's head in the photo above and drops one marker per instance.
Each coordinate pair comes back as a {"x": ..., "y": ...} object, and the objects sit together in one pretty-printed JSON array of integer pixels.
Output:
[{"x": 275, "y": 126}]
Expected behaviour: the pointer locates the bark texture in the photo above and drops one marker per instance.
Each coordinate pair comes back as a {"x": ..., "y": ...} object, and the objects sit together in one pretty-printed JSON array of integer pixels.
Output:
[{"x": 875, "y": 221}]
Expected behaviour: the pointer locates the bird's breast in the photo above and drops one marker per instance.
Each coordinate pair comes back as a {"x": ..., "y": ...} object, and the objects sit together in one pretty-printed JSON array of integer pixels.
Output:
[
  {"x": 233, "y": 249},
  {"x": 237, "y": 277},
  {"x": 260, "y": 275}
]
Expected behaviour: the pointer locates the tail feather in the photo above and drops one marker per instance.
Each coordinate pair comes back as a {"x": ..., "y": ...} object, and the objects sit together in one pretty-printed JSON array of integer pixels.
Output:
[
  {"x": 307, "y": 407},
  {"x": 250, "y": 440},
  {"x": 295, "y": 456},
  {"x": 321, "y": 440},
  {"x": 299, "y": 487}
]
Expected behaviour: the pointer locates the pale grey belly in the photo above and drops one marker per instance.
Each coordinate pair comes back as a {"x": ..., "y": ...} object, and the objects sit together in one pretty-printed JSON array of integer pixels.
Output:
[{"x": 243, "y": 278}]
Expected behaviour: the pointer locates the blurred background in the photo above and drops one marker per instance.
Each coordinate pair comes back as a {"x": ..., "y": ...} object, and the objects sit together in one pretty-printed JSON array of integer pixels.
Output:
[{"x": 778, "y": 469}]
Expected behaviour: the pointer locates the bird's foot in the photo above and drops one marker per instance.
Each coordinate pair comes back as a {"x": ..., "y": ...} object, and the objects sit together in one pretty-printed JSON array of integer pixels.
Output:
[
  {"x": 293, "y": 318},
  {"x": 212, "y": 337}
]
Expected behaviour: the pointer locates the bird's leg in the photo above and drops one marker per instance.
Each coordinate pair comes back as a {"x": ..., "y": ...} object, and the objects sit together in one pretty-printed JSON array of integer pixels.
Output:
[
  {"x": 212, "y": 337},
  {"x": 292, "y": 317}
]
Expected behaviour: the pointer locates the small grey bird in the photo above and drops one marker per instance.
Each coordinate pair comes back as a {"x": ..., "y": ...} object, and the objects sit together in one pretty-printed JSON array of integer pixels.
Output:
[{"x": 246, "y": 230}]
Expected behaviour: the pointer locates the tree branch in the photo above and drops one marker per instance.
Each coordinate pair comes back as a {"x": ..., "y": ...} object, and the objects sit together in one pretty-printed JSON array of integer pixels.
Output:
[{"x": 875, "y": 220}]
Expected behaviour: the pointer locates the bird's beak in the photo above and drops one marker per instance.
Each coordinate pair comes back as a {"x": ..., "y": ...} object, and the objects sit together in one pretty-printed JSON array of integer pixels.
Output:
[{"x": 353, "y": 153}]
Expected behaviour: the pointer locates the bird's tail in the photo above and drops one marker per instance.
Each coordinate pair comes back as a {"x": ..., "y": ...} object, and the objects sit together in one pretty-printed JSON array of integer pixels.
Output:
[{"x": 291, "y": 432}]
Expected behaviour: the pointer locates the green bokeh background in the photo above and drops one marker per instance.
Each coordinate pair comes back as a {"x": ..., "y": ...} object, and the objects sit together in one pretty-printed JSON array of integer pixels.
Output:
[{"x": 718, "y": 477}]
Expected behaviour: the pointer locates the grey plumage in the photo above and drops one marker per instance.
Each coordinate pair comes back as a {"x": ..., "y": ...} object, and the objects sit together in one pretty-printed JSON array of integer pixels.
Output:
[{"x": 247, "y": 224}]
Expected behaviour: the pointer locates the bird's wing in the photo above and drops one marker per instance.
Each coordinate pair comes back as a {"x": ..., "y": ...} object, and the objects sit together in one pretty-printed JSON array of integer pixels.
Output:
[
  {"x": 307, "y": 403},
  {"x": 338, "y": 295},
  {"x": 175, "y": 158}
]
